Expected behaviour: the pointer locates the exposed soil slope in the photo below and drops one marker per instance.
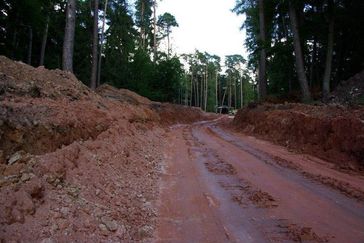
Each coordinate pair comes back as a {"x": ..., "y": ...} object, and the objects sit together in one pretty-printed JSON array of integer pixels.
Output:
[
  {"x": 333, "y": 133},
  {"x": 75, "y": 164}
]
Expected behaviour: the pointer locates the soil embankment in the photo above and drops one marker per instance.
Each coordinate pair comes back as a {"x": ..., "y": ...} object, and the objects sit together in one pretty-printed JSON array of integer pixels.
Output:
[
  {"x": 331, "y": 132},
  {"x": 76, "y": 164}
]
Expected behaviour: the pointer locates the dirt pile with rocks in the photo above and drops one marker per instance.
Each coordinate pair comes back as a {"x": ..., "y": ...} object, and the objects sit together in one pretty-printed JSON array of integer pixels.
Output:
[
  {"x": 333, "y": 133},
  {"x": 76, "y": 164},
  {"x": 172, "y": 113},
  {"x": 350, "y": 91}
]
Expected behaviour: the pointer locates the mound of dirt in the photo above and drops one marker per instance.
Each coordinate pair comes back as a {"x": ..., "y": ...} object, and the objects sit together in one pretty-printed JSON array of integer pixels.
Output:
[
  {"x": 172, "y": 113},
  {"x": 333, "y": 133},
  {"x": 19, "y": 79},
  {"x": 75, "y": 164},
  {"x": 350, "y": 91},
  {"x": 122, "y": 95}
]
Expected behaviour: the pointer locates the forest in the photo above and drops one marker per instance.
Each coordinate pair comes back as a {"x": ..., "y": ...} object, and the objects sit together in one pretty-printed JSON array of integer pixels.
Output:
[{"x": 298, "y": 50}]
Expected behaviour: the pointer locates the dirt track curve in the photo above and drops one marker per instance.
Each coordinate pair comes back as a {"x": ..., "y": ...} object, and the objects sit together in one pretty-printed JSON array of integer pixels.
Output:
[{"x": 220, "y": 186}]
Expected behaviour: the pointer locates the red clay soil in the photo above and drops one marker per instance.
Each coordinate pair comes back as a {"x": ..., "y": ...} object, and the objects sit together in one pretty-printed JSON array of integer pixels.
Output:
[
  {"x": 173, "y": 114},
  {"x": 75, "y": 164},
  {"x": 222, "y": 186},
  {"x": 333, "y": 133}
]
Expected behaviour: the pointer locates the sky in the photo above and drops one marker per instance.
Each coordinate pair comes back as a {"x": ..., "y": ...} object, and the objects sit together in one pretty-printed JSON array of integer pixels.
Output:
[{"x": 206, "y": 25}]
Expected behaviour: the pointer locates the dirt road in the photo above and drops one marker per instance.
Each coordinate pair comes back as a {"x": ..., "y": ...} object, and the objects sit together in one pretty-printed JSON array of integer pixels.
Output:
[{"x": 220, "y": 186}]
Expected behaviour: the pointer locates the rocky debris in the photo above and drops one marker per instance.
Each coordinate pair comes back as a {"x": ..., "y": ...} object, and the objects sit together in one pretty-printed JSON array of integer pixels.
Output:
[{"x": 331, "y": 132}]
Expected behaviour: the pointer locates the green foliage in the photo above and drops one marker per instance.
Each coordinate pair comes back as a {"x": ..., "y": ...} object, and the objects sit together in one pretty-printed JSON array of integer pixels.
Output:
[
  {"x": 313, "y": 28},
  {"x": 143, "y": 17},
  {"x": 165, "y": 23}
]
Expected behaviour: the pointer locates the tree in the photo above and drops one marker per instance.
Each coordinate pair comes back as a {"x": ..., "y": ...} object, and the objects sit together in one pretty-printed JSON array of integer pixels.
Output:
[
  {"x": 329, "y": 52},
  {"x": 143, "y": 16},
  {"x": 95, "y": 43},
  {"x": 69, "y": 36},
  {"x": 166, "y": 22},
  {"x": 102, "y": 43},
  {"x": 234, "y": 65},
  {"x": 120, "y": 46},
  {"x": 44, "y": 42},
  {"x": 262, "y": 59},
  {"x": 155, "y": 30},
  {"x": 298, "y": 54}
]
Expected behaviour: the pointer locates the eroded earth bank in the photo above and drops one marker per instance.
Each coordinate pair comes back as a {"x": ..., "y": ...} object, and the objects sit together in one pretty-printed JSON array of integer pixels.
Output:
[{"x": 111, "y": 166}]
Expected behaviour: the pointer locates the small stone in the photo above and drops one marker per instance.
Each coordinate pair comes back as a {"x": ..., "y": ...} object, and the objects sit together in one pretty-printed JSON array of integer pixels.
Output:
[
  {"x": 64, "y": 211},
  {"x": 145, "y": 231},
  {"x": 25, "y": 177},
  {"x": 103, "y": 229},
  {"x": 98, "y": 192},
  {"x": 54, "y": 227},
  {"x": 110, "y": 224},
  {"x": 48, "y": 240},
  {"x": 15, "y": 157}
]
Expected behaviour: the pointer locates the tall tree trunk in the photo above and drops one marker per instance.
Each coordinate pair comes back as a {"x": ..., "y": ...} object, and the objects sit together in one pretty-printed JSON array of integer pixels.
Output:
[
  {"x": 223, "y": 100},
  {"x": 30, "y": 45},
  {"x": 191, "y": 96},
  {"x": 206, "y": 87},
  {"x": 197, "y": 93},
  {"x": 44, "y": 41},
  {"x": 168, "y": 51},
  {"x": 202, "y": 92},
  {"x": 229, "y": 100},
  {"x": 69, "y": 36},
  {"x": 142, "y": 30},
  {"x": 14, "y": 43},
  {"x": 298, "y": 54},
  {"x": 101, "y": 45},
  {"x": 313, "y": 61},
  {"x": 95, "y": 44},
  {"x": 241, "y": 93},
  {"x": 235, "y": 94},
  {"x": 263, "y": 55},
  {"x": 216, "y": 92},
  {"x": 155, "y": 30},
  {"x": 329, "y": 52},
  {"x": 186, "y": 93}
]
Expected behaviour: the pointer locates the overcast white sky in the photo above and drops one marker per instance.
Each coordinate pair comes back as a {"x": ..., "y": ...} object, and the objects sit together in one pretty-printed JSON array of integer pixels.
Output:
[{"x": 206, "y": 25}]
